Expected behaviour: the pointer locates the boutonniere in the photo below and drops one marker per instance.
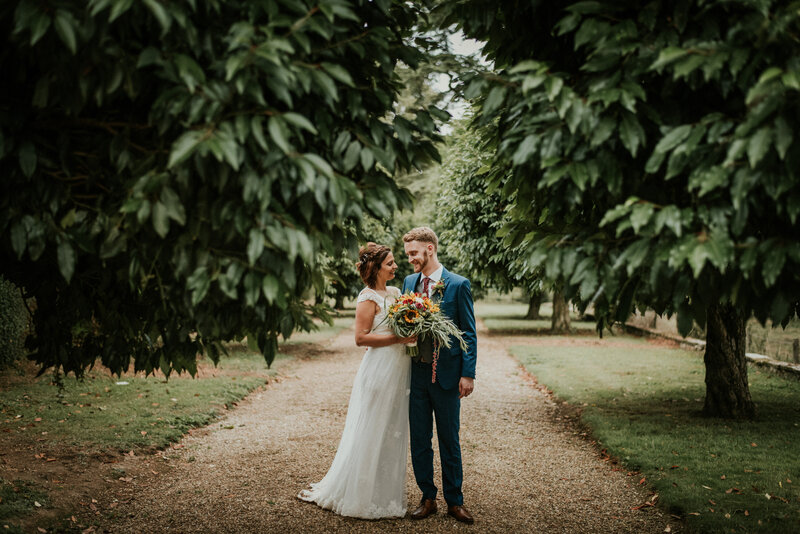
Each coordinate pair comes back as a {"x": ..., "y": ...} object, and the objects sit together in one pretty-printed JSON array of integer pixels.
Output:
[{"x": 438, "y": 287}]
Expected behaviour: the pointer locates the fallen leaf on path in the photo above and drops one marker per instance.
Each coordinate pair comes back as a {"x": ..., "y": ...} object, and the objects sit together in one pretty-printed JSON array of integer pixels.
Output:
[
  {"x": 643, "y": 480},
  {"x": 37, "y": 504},
  {"x": 746, "y": 513},
  {"x": 722, "y": 477},
  {"x": 754, "y": 445}
]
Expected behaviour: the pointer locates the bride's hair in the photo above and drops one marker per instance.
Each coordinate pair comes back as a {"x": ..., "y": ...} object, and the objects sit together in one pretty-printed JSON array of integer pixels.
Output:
[{"x": 370, "y": 258}]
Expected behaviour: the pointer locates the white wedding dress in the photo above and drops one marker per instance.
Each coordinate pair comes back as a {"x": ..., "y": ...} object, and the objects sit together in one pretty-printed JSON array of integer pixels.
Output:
[{"x": 367, "y": 478}]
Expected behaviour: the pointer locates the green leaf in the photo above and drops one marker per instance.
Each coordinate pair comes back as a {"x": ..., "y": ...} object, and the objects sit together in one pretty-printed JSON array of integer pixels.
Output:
[
  {"x": 199, "y": 283},
  {"x": 758, "y": 145},
  {"x": 525, "y": 150},
  {"x": 773, "y": 265},
  {"x": 40, "y": 22},
  {"x": 697, "y": 258},
  {"x": 640, "y": 215},
  {"x": 184, "y": 146},
  {"x": 255, "y": 245},
  {"x": 783, "y": 136},
  {"x": 299, "y": 121},
  {"x": 553, "y": 86},
  {"x": 367, "y": 158},
  {"x": 631, "y": 132},
  {"x": 321, "y": 165},
  {"x": 325, "y": 83},
  {"x": 351, "y": 156},
  {"x": 27, "y": 159},
  {"x": 252, "y": 288},
  {"x": 667, "y": 56},
  {"x": 494, "y": 100},
  {"x": 277, "y": 131},
  {"x": 160, "y": 218},
  {"x": 270, "y": 287},
  {"x": 64, "y": 24},
  {"x": 19, "y": 239},
  {"x": 173, "y": 205},
  {"x": 258, "y": 131},
  {"x": 673, "y": 138},
  {"x": 160, "y": 14},
  {"x": 66, "y": 259},
  {"x": 525, "y": 66},
  {"x": 603, "y": 131},
  {"x": 339, "y": 73}
]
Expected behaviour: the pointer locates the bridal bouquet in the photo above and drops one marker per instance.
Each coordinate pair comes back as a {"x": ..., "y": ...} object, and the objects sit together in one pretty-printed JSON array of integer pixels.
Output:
[{"x": 413, "y": 314}]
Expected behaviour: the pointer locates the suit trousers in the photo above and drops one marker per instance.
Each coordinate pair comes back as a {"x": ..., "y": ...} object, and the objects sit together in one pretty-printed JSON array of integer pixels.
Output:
[{"x": 427, "y": 401}]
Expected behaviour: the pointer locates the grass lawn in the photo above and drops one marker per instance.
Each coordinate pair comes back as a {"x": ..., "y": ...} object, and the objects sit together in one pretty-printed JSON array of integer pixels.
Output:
[
  {"x": 102, "y": 411},
  {"x": 642, "y": 402},
  {"x": 507, "y": 318},
  {"x": 108, "y": 414}
]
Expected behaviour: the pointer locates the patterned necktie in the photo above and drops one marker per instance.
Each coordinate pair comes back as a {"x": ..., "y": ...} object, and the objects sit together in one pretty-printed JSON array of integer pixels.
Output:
[{"x": 425, "y": 282}]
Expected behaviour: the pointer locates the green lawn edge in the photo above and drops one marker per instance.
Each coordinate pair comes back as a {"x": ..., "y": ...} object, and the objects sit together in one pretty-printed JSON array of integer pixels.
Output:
[{"x": 642, "y": 404}]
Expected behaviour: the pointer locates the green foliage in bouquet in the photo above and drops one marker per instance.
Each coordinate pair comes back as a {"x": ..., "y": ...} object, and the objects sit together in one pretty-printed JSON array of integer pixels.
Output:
[{"x": 415, "y": 315}]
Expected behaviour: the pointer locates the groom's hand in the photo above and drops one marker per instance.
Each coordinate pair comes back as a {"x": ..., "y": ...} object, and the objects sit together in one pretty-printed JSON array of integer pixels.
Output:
[{"x": 465, "y": 387}]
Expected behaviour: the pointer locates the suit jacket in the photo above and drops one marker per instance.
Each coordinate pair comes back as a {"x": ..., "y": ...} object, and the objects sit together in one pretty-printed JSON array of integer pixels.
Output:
[{"x": 456, "y": 304}]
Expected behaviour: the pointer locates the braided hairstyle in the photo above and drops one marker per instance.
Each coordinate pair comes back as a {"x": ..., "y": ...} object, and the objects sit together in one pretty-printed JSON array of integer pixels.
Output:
[{"x": 370, "y": 259}]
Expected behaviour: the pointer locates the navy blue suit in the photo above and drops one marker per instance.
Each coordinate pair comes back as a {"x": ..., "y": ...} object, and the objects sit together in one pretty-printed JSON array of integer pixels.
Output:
[{"x": 441, "y": 398}]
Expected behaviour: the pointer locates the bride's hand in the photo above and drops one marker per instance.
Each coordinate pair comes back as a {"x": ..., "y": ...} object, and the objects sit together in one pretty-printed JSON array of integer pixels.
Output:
[{"x": 407, "y": 340}]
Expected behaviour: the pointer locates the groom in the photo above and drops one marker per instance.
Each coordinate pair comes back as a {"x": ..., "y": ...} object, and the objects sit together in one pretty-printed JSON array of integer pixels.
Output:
[{"x": 455, "y": 374}]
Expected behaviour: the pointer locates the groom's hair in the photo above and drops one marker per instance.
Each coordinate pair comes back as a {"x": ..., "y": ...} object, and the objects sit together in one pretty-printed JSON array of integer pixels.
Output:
[{"x": 423, "y": 234}]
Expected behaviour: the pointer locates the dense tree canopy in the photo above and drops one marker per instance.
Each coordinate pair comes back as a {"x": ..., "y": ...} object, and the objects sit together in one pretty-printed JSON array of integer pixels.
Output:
[
  {"x": 171, "y": 170},
  {"x": 655, "y": 158}
]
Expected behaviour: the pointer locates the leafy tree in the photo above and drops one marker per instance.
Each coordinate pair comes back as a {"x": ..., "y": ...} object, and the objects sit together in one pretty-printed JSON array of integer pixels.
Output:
[
  {"x": 470, "y": 218},
  {"x": 172, "y": 170},
  {"x": 655, "y": 151}
]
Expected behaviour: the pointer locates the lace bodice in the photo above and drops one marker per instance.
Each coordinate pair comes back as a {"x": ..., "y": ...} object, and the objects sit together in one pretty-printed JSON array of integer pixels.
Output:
[{"x": 379, "y": 324}]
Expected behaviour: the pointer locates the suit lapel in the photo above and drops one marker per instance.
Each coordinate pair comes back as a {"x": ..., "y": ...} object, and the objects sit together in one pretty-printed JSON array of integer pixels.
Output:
[{"x": 446, "y": 279}]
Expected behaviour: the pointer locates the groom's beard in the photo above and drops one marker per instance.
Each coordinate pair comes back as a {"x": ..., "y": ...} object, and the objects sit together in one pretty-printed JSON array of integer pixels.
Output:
[{"x": 420, "y": 266}]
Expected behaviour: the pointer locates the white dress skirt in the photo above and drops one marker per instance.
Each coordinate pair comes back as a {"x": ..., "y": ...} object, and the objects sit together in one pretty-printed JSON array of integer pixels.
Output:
[{"x": 367, "y": 478}]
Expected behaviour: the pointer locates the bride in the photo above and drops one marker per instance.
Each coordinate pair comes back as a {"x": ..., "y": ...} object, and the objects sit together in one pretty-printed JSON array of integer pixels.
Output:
[{"x": 367, "y": 478}]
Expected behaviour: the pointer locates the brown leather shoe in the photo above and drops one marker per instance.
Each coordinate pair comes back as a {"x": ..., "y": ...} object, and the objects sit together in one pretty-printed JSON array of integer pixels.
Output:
[
  {"x": 426, "y": 507},
  {"x": 460, "y": 513}
]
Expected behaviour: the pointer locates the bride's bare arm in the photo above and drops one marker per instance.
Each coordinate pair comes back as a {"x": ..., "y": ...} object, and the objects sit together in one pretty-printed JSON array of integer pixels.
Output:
[{"x": 365, "y": 314}]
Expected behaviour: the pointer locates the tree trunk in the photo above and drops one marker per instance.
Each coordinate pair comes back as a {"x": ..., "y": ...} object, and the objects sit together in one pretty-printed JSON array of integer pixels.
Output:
[
  {"x": 560, "y": 322},
  {"x": 534, "y": 303},
  {"x": 727, "y": 392},
  {"x": 339, "y": 302}
]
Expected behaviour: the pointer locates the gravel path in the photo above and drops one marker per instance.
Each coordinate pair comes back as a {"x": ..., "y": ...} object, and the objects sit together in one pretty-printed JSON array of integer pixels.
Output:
[{"x": 525, "y": 470}]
